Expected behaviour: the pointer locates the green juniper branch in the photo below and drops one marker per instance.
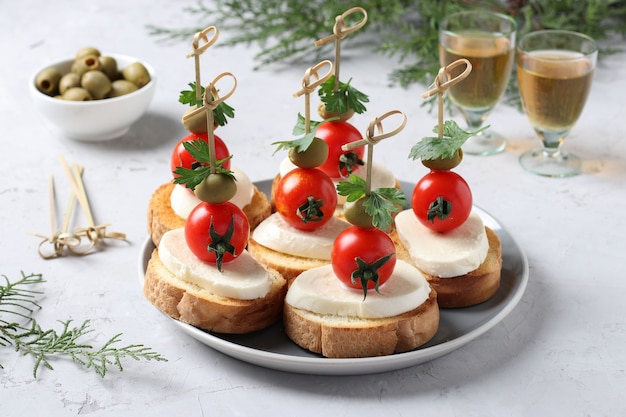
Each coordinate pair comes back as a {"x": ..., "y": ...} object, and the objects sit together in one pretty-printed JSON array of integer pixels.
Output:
[
  {"x": 286, "y": 29},
  {"x": 17, "y": 303}
]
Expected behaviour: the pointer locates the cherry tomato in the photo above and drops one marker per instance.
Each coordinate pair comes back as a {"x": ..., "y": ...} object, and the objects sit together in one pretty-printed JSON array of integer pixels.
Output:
[
  {"x": 340, "y": 163},
  {"x": 442, "y": 200},
  {"x": 375, "y": 250},
  {"x": 217, "y": 233},
  {"x": 306, "y": 198},
  {"x": 182, "y": 158}
]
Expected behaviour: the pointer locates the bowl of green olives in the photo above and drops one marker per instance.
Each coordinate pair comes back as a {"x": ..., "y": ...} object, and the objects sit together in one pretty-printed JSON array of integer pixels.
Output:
[{"x": 93, "y": 96}]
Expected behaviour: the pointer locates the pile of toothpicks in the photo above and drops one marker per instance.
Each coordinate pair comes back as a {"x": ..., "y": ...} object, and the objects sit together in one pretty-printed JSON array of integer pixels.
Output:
[{"x": 80, "y": 240}]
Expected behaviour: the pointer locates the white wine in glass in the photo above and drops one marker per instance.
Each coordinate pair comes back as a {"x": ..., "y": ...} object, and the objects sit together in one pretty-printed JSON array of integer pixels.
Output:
[
  {"x": 487, "y": 40},
  {"x": 554, "y": 72}
]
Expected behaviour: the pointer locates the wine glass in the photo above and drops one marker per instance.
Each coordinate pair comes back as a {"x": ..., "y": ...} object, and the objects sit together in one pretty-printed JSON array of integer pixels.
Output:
[
  {"x": 487, "y": 40},
  {"x": 554, "y": 72}
]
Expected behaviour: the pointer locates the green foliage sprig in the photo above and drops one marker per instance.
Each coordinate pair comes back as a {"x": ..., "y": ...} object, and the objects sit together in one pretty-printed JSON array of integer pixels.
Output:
[
  {"x": 221, "y": 113},
  {"x": 18, "y": 302},
  {"x": 346, "y": 97},
  {"x": 201, "y": 152},
  {"x": 380, "y": 203},
  {"x": 408, "y": 30},
  {"x": 302, "y": 143},
  {"x": 434, "y": 147}
]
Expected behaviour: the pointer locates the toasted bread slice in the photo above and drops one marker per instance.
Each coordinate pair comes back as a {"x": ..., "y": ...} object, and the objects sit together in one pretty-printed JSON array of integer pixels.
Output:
[
  {"x": 466, "y": 290},
  {"x": 342, "y": 337},
  {"x": 194, "y": 305}
]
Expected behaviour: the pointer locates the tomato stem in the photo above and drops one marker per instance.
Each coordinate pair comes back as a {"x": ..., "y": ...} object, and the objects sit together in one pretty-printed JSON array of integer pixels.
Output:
[
  {"x": 311, "y": 211},
  {"x": 349, "y": 161},
  {"x": 369, "y": 272},
  {"x": 440, "y": 209},
  {"x": 220, "y": 244}
]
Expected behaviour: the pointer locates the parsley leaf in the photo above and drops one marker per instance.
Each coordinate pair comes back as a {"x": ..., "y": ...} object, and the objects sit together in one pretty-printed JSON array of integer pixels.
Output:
[
  {"x": 445, "y": 147},
  {"x": 220, "y": 113},
  {"x": 301, "y": 144},
  {"x": 346, "y": 97},
  {"x": 353, "y": 189},
  {"x": 299, "y": 127},
  {"x": 380, "y": 203},
  {"x": 189, "y": 96},
  {"x": 201, "y": 152}
]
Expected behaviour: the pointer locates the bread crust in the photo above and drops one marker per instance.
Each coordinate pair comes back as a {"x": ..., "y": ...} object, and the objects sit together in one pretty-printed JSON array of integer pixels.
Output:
[
  {"x": 191, "y": 304},
  {"x": 473, "y": 288},
  {"x": 162, "y": 218},
  {"x": 335, "y": 337}
]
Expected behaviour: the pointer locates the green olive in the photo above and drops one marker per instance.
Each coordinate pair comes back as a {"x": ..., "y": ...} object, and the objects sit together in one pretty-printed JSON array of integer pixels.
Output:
[
  {"x": 197, "y": 123},
  {"x": 85, "y": 63},
  {"x": 68, "y": 81},
  {"x": 444, "y": 164},
  {"x": 326, "y": 115},
  {"x": 136, "y": 73},
  {"x": 121, "y": 87},
  {"x": 216, "y": 188},
  {"x": 108, "y": 65},
  {"x": 87, "y": 50},
  {"x": 47, "y": 81},
  {"x": 91, "y": 77},
  {"x": 354, "y": 212},
  {"x": 77, "y": 94},
  {"x": 314, "y": 156},
  {"x": 97, "y": 83}
]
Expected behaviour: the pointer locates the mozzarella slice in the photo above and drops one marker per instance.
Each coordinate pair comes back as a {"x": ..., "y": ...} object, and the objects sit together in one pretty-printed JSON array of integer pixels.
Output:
[
  {"x": 320, "y": 291},
  {"x": 276, "y": 234},
  {"x": 243, "y": 278},
  {"x": 444, "y": 255}
]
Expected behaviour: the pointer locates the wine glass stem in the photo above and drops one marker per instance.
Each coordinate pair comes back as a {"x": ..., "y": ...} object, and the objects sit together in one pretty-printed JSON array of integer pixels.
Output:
[
  {"x": 552, "y": 141},
  {"x": 484, "y": 143},
  {"x": 474, "y": 119}
]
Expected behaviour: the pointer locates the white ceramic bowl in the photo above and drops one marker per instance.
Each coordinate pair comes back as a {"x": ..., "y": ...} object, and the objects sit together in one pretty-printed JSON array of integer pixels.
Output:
[{"x": 95, "y": 120}]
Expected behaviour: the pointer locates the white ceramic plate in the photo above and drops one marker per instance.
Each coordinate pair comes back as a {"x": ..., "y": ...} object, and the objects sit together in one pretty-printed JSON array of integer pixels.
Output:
[{"x": 271, "y": 348}]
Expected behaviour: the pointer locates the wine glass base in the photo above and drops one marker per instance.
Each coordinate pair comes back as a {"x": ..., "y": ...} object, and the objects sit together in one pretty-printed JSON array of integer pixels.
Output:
[
  {"x": 557, "y": 166},
  {"x": 485, "y": 143}
]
